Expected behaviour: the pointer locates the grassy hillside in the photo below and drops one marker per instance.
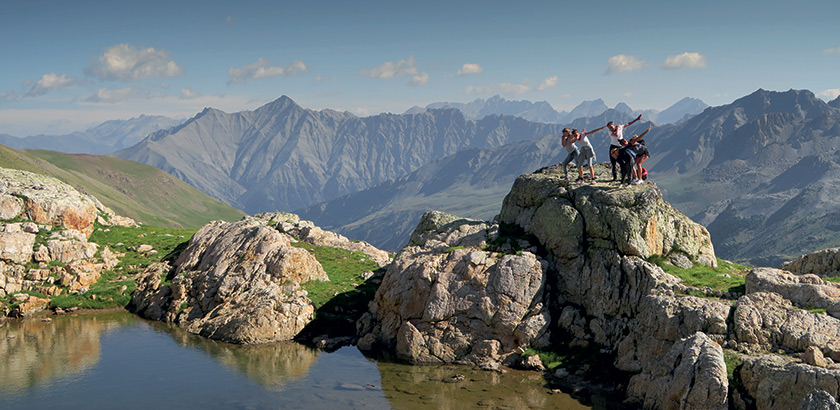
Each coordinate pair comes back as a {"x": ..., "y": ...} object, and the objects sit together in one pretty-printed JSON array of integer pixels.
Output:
[{"x": 131, "y": 189}]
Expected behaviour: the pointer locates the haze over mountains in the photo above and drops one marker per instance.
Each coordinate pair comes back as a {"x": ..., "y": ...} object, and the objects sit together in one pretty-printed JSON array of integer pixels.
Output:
[
  {"x": 542, "y": 111},
  {"x": 104, "y": 138}
]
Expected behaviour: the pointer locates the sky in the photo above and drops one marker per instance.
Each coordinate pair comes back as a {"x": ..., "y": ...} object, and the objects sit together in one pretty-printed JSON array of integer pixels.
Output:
[{"x": 69, "y": 65}]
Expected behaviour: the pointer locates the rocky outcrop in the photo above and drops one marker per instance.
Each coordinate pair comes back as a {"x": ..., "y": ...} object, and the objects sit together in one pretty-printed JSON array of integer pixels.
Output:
[
  {"x": 462, "y": 306},
  {"x": 236, "y": 282},
  {"x": 307, "y": 231},
  {"x": 692, "y": 374},
  {"x": 806, "y": 291},
  {"x": 777, "y": 382},
  {"x": 45, "y": 200},
  {"x": 822, "y": 263},
  {"x": 819, "y": 400}
]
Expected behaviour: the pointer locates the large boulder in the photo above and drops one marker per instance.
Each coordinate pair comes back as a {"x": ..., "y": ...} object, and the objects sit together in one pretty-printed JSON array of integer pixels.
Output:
[
  {"x": 805, "y": 291},
  {"x": 691, "y": 375},
  {"x": 778, "y": 382},
  {"x": 822, "y": 263},
  {"x": 635, "y": 221},
  {"x": 460, "y": 306},
  {"x": 766, "y": 321},
  {"x": 236, "y": 282},
  {"x": 16, "y": 247},
  {"x": 45, "y": 200}
]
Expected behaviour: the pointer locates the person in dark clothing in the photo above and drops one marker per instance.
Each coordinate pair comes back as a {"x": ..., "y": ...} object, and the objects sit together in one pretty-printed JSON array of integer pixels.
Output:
[
  {"x": 625, "y": 157},
  {"x": 617, "y": 139}
]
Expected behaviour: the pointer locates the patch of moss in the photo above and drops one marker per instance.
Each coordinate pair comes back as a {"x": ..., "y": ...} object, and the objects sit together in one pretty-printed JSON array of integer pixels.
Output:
[{"x": 727, "y": 276}]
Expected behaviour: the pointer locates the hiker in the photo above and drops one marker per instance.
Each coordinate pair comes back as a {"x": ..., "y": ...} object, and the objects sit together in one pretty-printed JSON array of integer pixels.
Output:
[
  {"x": 642, "y": 155},
  {"x": 625, "y": 156},
  {"x": 616, "y": 138},
  {"x": 569, "y": 142},
  {"x": 586, "y": 156}
]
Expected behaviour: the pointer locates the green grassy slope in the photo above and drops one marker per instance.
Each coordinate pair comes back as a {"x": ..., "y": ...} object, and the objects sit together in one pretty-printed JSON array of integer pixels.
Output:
[{"x": 131, "y": 189}]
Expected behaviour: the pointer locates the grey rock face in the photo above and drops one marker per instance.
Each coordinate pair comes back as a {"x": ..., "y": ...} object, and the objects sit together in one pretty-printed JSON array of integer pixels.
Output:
[
  {"x": 766, "y": 321},
  {"x": 822, "y": 263},
  {"x": 805, "y": 291},
  {"x": 692, "y": 375},
  {"x": 819, "y": 400},
  {"x": 780, "y": 383},
  {"x": 463, "y": 306},
  {"x": 237, "y": 282}
]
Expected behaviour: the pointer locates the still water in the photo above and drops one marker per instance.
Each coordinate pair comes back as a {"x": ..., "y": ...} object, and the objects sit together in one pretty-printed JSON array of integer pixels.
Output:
[{"x": 116, "y": 360}]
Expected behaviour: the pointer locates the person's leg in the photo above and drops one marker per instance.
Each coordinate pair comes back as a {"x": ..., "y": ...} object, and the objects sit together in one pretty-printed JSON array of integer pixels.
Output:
[
  {"x": 613, "y": 162},
  {"x": 566, "y": 164}
]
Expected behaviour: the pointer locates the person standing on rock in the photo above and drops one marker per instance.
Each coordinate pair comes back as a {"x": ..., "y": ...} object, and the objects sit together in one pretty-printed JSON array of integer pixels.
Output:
[
  {"x": 625, "y": 156},
  {"x": 586, "y": 156},
  {"x": 616, "y": 138},
  {"x": 569, "y": 142}
]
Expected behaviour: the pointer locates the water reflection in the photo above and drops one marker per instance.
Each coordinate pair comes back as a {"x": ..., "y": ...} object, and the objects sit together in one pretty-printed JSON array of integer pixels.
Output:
[
  {"x": 457, "y": 387},
  {"x": 118, "y": 360},
  {"x": 272, "y": 365},
  {"x": 36, "y": 352}
]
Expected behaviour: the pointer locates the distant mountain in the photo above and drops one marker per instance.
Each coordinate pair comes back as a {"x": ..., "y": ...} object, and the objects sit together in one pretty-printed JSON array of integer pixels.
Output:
[
  {"x": 543, "y": 112},
  {"x": 540, "y": 111},
  {"x": 143, "y": 193},
  {"x": 283, "y": 157},
  {"x": 681, "y": 110},
  {"x": 104, "y": 138},
  {"x": 761, "y": 173},
  {"x": 470, "y": 183}
]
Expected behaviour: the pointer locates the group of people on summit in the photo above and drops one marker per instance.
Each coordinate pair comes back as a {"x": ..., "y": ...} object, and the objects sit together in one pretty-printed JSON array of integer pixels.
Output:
[{"x": 629, "y": 155}]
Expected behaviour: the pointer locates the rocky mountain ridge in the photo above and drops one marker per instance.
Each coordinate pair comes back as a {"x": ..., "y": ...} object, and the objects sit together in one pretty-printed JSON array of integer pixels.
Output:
[{"x": 283, "y": 157}]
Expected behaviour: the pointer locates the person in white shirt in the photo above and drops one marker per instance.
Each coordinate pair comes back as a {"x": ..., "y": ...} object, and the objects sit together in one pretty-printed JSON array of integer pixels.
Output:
[
  {"x": 616, "y": 138},
  {"x": 569, "y": 142},
  {"x": 586, "y": 156}
]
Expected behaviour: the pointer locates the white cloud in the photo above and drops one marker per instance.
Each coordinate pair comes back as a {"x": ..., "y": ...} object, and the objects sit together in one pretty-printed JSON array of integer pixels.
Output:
[
  {"x": 186, "y": 93},
  {"x": 468, "y": 69},
  {"x": 829, "y": 94},
  {"x": 685, "y": 60},
  {"x": 514, "y": 89},
  {"x": 627, "y": 95},
  {"x": 262, "y": 69},
  {"x": 621, "y": 63},
  {"x": 112, "y": 96},
  {"x": 548, "y": 83},
  {"x": 478, "y": 89},
  {"x": 124, "y": 62},
  {"x": 361, "y": 112},
  {"x": 50, "y": 82},
  {"x": 401, "y": 68},
  {"x": 832, "y": 50},
  {"x": 420, "y": 79},
  {"x": 322, "y": 79}
]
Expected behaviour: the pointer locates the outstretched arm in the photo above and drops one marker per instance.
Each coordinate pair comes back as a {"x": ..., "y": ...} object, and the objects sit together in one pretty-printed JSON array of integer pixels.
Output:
[
  {"x": 638, "y": 137},
  {"x": 631, "y": 122},
  {"x": 584, "y": 133}
]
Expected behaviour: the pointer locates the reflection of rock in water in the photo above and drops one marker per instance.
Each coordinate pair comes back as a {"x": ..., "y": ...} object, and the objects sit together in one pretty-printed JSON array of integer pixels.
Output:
[
  {"x": 35, "y": 352},
  {"x": 458, "y": 387},
  {"x": 271, "y": 365}
]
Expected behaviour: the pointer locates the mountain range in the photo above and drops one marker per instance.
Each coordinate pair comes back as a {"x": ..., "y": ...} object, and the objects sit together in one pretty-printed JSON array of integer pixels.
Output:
[
  {"x": 543, "y": 112},
  {"x": 104, "y": 138},
  {"x": 283, "y": 157}
]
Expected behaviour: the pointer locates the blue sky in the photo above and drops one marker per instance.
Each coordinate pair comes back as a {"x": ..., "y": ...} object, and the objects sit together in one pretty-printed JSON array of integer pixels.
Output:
[{"x": 68, "y": 65}]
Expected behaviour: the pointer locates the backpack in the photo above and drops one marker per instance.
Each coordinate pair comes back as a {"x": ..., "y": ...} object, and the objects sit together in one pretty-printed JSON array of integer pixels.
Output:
[{"x": 644, "y": 174}]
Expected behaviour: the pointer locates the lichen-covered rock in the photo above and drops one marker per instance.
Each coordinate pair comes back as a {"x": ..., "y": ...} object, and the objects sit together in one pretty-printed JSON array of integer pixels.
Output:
[
  {"x": 236, "y": 282},
  {"x": 777, "y": 382},
  {"x": 46, "y": 200},
  {"x": 462, "y": 306},
  {"x": 29, "y": 305},
  {"x": 16, "y": 247},
  {"x": 70, "y": 250},
  {"x": 766, "y": 321},
  {"x": 805, "y": 291},
  {"x": 821, "y": 263},
  {"x": 819, "y": 400},
  {"x": 633, "y": 221},
  {"x": 308, "y": 232},
  {"x": 692, "y": 375}
]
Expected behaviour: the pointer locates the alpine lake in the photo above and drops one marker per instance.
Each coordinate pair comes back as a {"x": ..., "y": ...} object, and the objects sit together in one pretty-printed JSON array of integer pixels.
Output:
[{"x": 115, "y": 360}]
